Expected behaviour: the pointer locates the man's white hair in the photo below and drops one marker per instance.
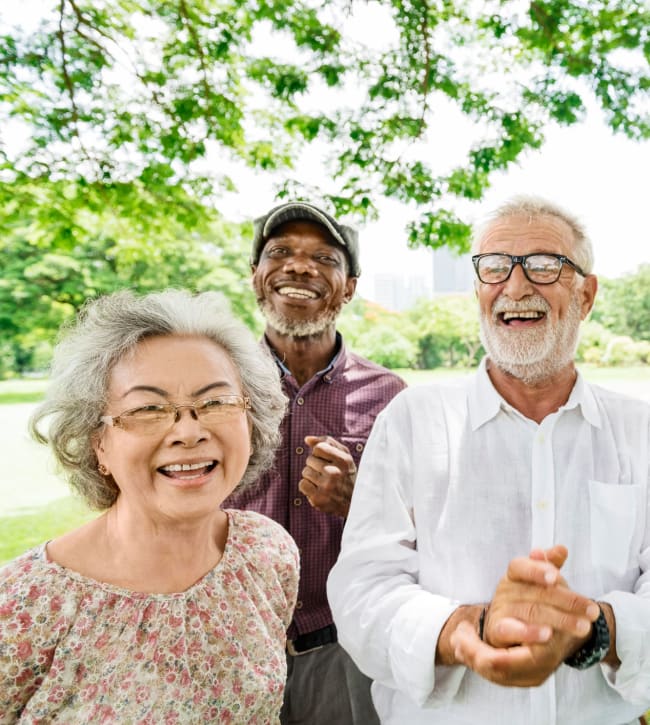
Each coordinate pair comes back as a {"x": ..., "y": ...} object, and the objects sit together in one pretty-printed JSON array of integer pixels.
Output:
[{"x": 535, "y": 207}]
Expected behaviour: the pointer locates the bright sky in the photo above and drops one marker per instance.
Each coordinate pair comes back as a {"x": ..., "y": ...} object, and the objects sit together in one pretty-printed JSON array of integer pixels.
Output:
[{"x": 601, "y": 178}]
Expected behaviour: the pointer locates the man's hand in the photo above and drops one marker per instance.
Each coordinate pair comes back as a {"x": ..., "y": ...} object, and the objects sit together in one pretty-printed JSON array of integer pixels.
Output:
[
  {"x": 526, "y": 665},
  {"x": 328, "y": 476},
  {"x": 532, "y": 602},
  {"x": 533, "y": 623}
]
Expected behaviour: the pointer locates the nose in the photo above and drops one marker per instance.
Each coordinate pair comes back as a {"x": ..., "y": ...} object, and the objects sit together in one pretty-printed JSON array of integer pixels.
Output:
[
  {"x": 188, "y": 428},
  {"x": 517, "y": 286},
  {"x": 300, "y": 264}
]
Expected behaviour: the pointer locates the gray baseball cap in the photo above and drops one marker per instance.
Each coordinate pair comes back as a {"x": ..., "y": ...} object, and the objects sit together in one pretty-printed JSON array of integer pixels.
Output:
[{"x": 346, "y": 237}]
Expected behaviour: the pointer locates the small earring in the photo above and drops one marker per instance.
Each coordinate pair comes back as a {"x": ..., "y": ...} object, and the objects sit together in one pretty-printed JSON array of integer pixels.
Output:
[{"x": 102, "y": 469}]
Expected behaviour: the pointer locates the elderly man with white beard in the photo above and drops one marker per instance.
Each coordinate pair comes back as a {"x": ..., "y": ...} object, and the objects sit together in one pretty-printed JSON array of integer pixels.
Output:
[{"x": 495, "y": 560}]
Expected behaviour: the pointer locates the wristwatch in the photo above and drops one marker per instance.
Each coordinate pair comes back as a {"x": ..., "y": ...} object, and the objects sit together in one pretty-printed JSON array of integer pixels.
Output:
[{"x": 595, "y": 649}]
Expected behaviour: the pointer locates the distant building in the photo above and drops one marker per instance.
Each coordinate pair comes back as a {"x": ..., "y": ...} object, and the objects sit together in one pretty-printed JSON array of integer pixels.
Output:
[
  {"x": 399, "y": 292},
  {"x": 452, "y": 272}
]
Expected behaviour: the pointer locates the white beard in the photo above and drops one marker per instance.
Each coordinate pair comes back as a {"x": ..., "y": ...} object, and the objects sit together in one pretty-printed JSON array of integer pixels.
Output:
[
  {"x": 535, "y": 354},
  {"x": 298, "y": 328}
]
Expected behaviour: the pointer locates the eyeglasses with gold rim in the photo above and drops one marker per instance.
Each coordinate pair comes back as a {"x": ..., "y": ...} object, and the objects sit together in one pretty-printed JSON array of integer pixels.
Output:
[{"x": 160, "y": 417}]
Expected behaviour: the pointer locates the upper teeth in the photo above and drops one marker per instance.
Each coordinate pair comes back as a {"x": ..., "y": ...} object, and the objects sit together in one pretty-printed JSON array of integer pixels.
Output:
[
  {"x": 527, "y": 314},
  {"x": 186, "y": 466},
  {"x": 295, "y": 292}
]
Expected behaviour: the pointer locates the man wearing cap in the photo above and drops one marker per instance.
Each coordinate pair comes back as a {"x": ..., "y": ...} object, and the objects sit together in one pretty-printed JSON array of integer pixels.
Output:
[{"x": 305, "y": 267}]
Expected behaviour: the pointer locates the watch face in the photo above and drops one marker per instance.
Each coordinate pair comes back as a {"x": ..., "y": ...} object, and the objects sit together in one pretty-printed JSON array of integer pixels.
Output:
[{"x": 595, "y": 649}]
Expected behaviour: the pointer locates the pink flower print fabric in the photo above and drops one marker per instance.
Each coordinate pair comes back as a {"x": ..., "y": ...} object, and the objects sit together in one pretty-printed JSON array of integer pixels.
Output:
[{"x": 75, "y": 650}]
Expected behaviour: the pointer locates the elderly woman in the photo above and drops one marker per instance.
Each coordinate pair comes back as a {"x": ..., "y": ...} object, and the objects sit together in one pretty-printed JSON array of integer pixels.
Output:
[{"x": 166, "y": 608}]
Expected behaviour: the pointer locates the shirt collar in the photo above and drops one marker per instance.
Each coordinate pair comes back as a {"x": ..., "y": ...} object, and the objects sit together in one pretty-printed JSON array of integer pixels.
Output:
[
  {"x": 485, "y": 402},
  {"x": 582, "y": 395},
  {"x": 333, "y": 368}
]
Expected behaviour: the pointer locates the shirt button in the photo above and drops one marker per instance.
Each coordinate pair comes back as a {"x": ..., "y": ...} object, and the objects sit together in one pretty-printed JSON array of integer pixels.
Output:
[
  {"x": 541, "y": 438},
  {"x": 300, "y": 401},
  {"x": 542, "y": 505},
  {"x": 299, "y": 604},
  {"x": 300, "y": 450},
  {"x": 327, "y": 378},
  {"x": 297, "y": 502},
  {"x": 359, "y": 447}
]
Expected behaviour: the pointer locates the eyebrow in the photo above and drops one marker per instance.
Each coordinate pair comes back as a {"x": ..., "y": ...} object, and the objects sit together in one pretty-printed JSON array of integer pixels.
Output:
[
  {"x": 165, "y": 394},
  {"x": 284, "y": 239}
]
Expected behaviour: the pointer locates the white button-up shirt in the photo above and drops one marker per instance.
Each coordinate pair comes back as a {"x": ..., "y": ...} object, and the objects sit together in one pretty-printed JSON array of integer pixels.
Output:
[{"x": 455, "y": 483}]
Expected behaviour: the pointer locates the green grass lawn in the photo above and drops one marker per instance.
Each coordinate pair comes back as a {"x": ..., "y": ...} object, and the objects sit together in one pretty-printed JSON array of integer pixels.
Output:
[
  {"x": 28, "y": 390},
  {"x": 23, "y": 531}
]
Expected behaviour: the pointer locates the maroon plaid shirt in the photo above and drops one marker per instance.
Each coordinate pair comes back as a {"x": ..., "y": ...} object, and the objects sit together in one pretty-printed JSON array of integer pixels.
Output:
[{"x": 342, "y": 401}]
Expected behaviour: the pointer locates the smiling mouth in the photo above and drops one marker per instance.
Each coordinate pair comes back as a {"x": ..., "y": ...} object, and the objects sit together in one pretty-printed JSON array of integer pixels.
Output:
[
  {"x": 521, "y": 316},
  {"x": 297, "y": 293},
  {"x": 188, "y": 471}
]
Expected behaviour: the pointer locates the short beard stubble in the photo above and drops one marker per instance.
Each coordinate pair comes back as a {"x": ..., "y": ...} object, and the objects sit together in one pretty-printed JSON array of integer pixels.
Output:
[
  {"x": 537, "y": 354},
  {"x": 298, "y": 328}
]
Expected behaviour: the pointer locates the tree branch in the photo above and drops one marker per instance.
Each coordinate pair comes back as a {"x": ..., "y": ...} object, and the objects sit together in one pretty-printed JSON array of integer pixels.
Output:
[
  {"x": 67, "y": 80},
  {"x": 425, "y": 87},
  {"x": 184, "y": 13}
]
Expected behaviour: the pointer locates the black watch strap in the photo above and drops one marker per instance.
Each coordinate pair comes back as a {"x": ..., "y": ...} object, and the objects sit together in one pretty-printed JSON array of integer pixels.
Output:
[{"x": 595, "y": 649}]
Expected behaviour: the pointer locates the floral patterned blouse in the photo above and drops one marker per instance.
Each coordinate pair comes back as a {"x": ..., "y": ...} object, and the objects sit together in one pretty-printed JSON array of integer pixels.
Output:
[{"x": 74, "y": 650}]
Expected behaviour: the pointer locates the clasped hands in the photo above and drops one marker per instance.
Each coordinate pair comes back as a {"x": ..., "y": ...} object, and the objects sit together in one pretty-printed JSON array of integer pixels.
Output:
[{"x": 533, "y": 623}]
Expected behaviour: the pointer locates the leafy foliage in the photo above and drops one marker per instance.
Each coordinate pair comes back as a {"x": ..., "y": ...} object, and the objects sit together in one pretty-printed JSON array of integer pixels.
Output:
[
  {"x": 125, "y": 120},
  {"x": 378, "y": 334},
  {"x": 64, "y": 243},
  {"x": 623, "y": 304},
  {"x": 447, "y": 331},
  {"x": 169, "y": 93}
]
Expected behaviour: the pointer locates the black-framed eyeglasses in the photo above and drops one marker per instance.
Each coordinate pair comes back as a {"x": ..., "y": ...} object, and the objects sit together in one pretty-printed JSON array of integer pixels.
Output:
[
  {"x": 539, "y": 268},
  {"x": 159, "y": 418}
]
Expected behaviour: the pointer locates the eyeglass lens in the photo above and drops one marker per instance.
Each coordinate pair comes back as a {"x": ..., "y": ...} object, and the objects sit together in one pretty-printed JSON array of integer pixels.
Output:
[
  {"x": 156, "y": 417},
  {"x": 540, "y": 268}
]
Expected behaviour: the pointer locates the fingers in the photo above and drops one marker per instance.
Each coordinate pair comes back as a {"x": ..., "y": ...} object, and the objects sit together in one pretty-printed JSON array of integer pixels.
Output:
[
  {"x": 534, "y": 592},
  {"x": 328, "y": 476},
  {"x": 568, "y": 613},
  {"x": 519, "y": 666},
  {"x": 330, "y": 450},
  {"x": 509, "y": 630},
  {"x": 542, "y": 569},
  {"x": 531, "y": 571},
  {"x": 556, "y": 555}
]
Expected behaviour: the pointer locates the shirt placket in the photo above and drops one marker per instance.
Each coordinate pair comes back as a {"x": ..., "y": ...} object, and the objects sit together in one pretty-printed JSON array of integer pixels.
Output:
[
  {"x": 298, "y": 504},
  {"x": 543, "y": 699}
]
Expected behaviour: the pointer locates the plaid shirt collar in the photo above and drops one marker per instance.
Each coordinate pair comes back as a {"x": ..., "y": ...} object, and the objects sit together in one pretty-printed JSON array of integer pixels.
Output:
[{"x": 334, "y": 367}]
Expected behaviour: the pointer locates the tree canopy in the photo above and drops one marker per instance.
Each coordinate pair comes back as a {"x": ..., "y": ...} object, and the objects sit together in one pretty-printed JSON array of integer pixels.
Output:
[
  {"x": 124, "y": 121},
  {"x": 172, "y": 93}
]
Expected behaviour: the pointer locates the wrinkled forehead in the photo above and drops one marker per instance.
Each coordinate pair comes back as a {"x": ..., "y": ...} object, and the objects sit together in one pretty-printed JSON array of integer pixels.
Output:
[
  {"x": 170, "y": 362},
  {"x": 525, "y": 234}
]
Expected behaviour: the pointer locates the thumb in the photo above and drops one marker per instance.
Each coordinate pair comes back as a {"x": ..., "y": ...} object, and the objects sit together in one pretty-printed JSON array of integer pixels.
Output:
[{"x": 312, "y": 441}]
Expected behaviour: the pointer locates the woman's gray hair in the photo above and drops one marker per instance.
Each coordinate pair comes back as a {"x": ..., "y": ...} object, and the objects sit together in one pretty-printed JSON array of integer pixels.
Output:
[
  {"x": 109, "y": 328},
  {"x": 534, "y": 207}
]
